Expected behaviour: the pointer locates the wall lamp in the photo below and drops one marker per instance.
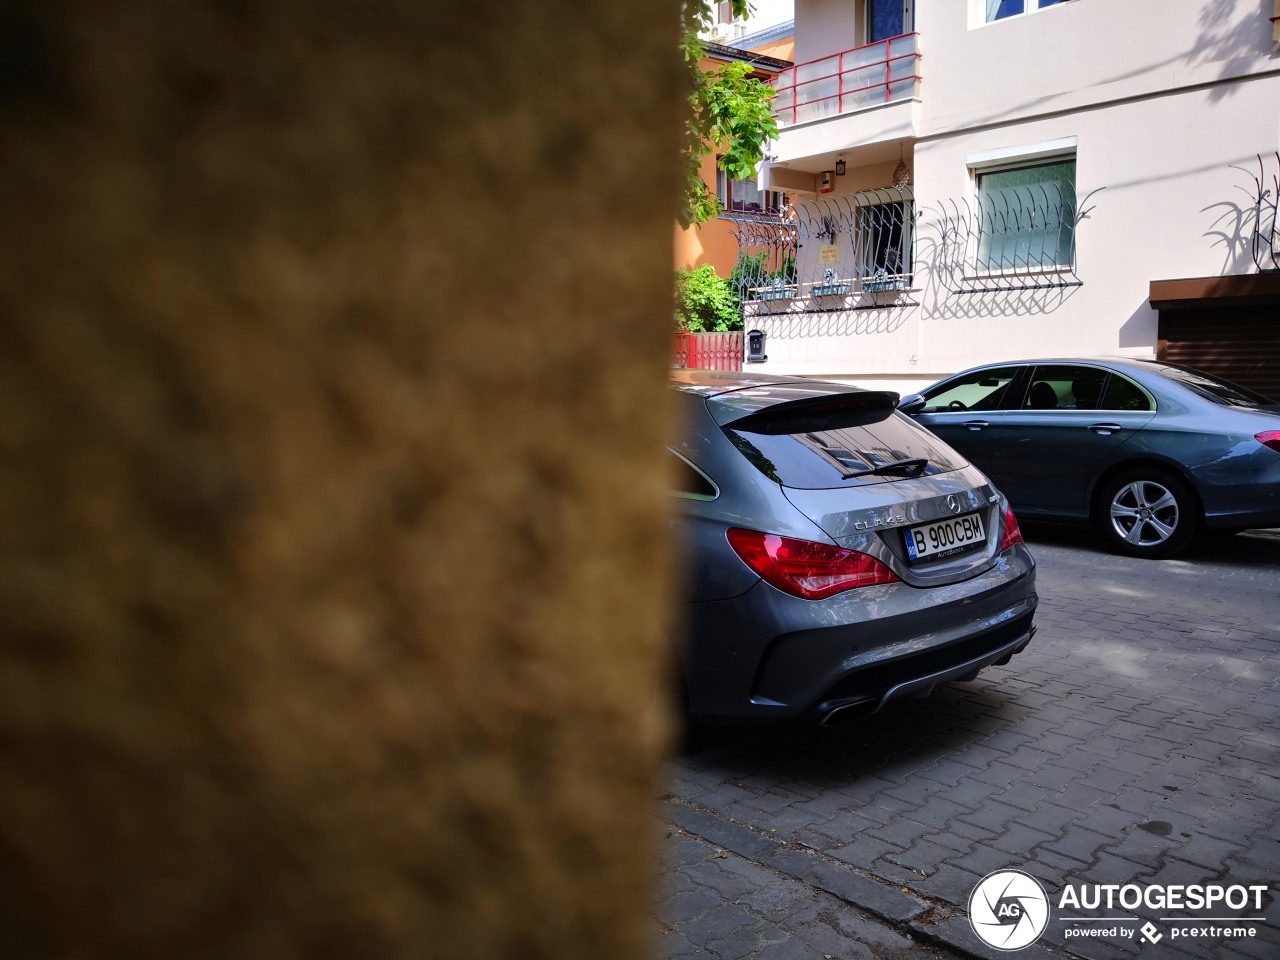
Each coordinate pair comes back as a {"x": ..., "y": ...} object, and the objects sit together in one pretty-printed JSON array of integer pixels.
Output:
[{"x": 840, "y": 167}]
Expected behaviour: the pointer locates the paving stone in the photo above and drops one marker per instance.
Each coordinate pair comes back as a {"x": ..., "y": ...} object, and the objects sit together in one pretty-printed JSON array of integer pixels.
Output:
[
  {"x": 1078, "y": 842},
  {"x": 1056, "y": 776},
  {"x": 1207, "y": 851},
  {"x": 939, "y": 811},
  {"x": 949, "y": 882},
  {"x": 902, "y": 831},
  {"x": 1060, "y": 865},
  {"x": 728, "y": 885},
  {"x": 1108, "y": 868},
  {"x": 865, "y": 850},
  {"x": 1024, "y": 795},
  {"x": 792, "y": 948},
  {"x": 1143, "y": 847},
  {"x": 1097, "y": 949},
  {"x": 952, "y": 841},
  {"x": 955, "y": 930},
  {"x": 853, "y": 887},
  {"x": 1107, "y": 820},
  {"x": 983, "y": 859},
  {"x": 672, "y": 944},
  {"x": 719, "y": 831},
  {"x": 743, "y": 942},
  {"x": 923, "y": 856},
  {"x": 1265, "y": 946},
  {"x": 1141, "y": 702},
  {"x": 993, "y": 816},
  {"x": 830, "y": 944},
  {"x": 688, "y": 904},
  {"x": 717, "y": 924},
  {"x": 818, "y": 840},
  {"x": 948, "y": 772},
  {"x": 973, "y": 794}
]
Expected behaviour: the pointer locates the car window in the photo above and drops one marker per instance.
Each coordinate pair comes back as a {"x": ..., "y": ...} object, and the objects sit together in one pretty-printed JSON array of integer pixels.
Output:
[
  {"x": 894, "y": 448},
  {"x": 1123, "y": 394},
  {"x": 1215, "y": 388},
  {"x": 689, "y": 481},
  {"x": 979, "y": 390},
  {"x": 1064, "y": 387}
]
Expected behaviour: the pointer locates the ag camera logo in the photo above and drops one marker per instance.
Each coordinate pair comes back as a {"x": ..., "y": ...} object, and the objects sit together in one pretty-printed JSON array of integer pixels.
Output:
[{"x": 1008, "y": 910}]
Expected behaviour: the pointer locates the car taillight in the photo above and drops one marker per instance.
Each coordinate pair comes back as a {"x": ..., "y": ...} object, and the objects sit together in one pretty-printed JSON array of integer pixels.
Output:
[
  {"x": 806, "y": 569},
  {"x": 1012, "y": 534},
  {"x": 1269, "y": 438}
]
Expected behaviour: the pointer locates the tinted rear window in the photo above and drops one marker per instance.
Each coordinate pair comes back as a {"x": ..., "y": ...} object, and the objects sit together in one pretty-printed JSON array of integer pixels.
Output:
[
  {"x": 818, "y": 459},
  {"x": 1215, "y": 388}
]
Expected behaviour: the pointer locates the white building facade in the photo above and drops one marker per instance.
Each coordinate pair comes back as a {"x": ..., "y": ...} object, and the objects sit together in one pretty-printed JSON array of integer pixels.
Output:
[{"x": 987, "y": 180}]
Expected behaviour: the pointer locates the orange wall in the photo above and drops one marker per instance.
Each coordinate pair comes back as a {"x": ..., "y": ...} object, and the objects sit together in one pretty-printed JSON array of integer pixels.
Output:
[
  {"x": 784, "y": 49},
  {"x": 712, "y": 242}
]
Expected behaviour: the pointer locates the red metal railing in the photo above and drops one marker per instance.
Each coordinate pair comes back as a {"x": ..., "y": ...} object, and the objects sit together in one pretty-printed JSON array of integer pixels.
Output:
[
  {"x": 879, "y": 72},
  {"x": 707, "y": 351}
]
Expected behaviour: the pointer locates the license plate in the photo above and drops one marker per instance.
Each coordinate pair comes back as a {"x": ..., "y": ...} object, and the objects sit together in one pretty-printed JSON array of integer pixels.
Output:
[{"x": 945, "y": 538}]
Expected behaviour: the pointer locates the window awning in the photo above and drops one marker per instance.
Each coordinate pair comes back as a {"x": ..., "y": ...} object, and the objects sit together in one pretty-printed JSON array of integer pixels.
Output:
[{"x": 1244, "y": 290}]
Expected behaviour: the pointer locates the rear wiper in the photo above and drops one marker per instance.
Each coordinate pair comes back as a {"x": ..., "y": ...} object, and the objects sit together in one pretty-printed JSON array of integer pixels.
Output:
[{"x": 907, "y": 468}]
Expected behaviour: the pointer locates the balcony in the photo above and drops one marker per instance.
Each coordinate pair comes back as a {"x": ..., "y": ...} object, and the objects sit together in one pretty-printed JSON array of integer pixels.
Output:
[{"x": 878, "y": 73}]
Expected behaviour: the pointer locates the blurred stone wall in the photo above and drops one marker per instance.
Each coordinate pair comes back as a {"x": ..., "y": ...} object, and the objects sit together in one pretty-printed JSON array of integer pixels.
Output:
[{"x": 332, "y": 348}]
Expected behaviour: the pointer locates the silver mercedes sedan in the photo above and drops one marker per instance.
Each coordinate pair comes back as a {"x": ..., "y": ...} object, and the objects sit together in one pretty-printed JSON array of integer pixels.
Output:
[{"x": 840, "y": 557}]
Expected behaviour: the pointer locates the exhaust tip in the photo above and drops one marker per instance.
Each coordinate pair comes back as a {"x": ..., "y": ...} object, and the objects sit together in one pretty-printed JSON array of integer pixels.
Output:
[{"x": 849, "y": 710}]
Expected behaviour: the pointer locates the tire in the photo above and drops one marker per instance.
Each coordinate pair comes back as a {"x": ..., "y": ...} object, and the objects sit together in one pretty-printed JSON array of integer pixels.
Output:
[{"x": 1147, "y": 512}]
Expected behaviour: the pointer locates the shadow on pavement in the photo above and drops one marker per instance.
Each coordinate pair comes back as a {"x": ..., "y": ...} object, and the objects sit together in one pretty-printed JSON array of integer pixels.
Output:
[
  {"x": 1251, "y": 547},
  {"x": 911, "y": 735}
]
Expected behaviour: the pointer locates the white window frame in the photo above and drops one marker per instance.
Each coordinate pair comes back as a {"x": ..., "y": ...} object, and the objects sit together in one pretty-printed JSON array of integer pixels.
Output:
[
  {"x": 979, "y": 15},
  {"x": 770, "y": 199},
  {"x": 1021, "y": 158},
  {"x": 908, "y": 20}
]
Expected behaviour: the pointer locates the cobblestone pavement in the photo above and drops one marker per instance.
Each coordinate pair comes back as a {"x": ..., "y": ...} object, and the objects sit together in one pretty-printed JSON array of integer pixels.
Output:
[{"x": 1134, "y": 742}]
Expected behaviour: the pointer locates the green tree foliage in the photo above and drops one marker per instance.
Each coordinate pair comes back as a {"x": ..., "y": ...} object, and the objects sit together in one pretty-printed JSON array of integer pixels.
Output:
[
  {"x": 706, "y": 302},
  {"x": 729, "y": 114}
]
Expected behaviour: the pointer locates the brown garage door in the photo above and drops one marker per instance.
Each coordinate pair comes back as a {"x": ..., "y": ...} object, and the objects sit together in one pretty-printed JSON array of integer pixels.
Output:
[{"x": 1240, "y": 343}]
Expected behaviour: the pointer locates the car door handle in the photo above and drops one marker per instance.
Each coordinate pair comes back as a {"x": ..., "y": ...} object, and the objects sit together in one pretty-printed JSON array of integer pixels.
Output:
[
  {"x": 976, "y": 425},
  {"x": 1104, "y": 429}
]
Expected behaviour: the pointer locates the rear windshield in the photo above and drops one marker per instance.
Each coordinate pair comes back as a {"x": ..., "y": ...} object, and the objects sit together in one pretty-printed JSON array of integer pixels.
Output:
[
  {"x": 1215, "y": 388},
  {"x": 889, "y": 449}
]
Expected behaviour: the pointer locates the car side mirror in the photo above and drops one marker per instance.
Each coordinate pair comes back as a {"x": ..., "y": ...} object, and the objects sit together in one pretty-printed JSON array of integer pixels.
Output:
[{"x": 912, "y": 404}]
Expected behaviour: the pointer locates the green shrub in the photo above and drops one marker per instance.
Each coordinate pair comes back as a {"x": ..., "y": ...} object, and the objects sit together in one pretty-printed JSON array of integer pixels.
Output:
[
  {"x": 705, "y": 301},
  {"x": 749, "y": 272}
]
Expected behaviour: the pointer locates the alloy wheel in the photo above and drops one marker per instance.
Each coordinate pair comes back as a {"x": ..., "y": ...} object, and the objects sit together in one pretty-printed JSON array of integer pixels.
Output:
[{"x": 1144, "y": 513}]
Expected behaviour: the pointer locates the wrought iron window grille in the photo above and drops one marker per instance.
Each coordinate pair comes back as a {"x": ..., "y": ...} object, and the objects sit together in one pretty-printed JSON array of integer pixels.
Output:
[
  {"x": 1265, "y": 240},
  {"x": 852, "y": 252},
  {"x": 1021, "y": 239}
]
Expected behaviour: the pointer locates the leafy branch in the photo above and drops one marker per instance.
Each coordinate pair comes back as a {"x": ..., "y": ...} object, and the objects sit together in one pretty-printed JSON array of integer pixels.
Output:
[{"x": 730, "y": 113}]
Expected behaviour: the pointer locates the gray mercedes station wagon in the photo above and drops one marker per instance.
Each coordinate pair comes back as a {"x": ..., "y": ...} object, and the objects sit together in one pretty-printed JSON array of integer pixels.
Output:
[{"x": 840, "y": 557}]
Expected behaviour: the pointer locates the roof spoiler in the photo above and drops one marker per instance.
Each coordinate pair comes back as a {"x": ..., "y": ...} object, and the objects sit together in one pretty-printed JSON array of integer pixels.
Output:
[{"x": 815, "y": 414}]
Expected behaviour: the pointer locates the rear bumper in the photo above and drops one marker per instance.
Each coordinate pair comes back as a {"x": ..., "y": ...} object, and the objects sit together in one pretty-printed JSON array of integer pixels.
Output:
[
  {"x": 1258, "y": 512},
  {"x": 997, "y": 649},
  {"x": 767, "y": 658},
  {"x": 1242, "y": 493}
]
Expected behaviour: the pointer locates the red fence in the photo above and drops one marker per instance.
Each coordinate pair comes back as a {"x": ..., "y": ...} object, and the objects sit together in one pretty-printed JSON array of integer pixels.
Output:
[
  {"x": 707, "y": 351},
  {"x": 879, "y": 72}
]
